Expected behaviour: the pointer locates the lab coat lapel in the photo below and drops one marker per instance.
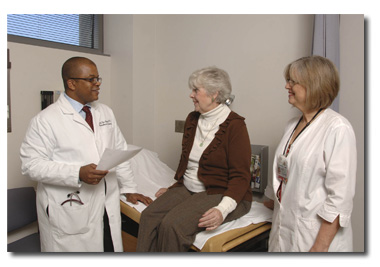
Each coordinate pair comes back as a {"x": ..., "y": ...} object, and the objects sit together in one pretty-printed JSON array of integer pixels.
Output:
[
  {"x": 68, "y": 110},
  {"x": 95, "y": 116}
]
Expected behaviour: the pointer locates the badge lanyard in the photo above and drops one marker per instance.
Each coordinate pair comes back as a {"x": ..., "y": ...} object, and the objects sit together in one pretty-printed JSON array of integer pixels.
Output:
[{"x": 282, "y": 163}]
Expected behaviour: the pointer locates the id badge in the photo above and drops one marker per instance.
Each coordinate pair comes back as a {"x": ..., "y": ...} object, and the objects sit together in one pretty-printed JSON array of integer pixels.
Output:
[{"x": 282, "y": 168}]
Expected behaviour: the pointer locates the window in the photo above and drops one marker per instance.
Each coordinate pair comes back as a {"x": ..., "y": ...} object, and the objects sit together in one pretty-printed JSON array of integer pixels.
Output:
[{"x": 79, "y": 32}]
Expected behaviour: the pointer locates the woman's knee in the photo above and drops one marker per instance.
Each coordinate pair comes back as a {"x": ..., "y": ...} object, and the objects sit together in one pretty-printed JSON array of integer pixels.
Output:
[
  {"x": 169, "y": 223},
  {"x": 148, "y": 215}
]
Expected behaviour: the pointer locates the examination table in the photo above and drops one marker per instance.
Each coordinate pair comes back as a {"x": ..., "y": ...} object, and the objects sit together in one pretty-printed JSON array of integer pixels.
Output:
[{"x": 248, "y": 233}]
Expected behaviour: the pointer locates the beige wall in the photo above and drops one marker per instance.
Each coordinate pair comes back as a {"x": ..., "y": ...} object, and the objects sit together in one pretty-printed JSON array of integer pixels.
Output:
[
  {"x": 252, "y": 49},
  {"x": 118, "y": 36},
  {"x": 151, "y": 57}
]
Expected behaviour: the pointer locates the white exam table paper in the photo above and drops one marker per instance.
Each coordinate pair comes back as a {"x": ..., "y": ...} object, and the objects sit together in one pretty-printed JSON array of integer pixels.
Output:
[
  {"x": 258, "y": 213},
  {"x": 139, "y": 206},
  {"x": 113, "y": 157}
]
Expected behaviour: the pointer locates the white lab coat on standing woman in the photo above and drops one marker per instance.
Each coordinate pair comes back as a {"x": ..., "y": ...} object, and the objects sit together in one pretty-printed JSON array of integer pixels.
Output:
[
  {"x": 321, "y": 185},
  {"x": 58, "y": 142}
]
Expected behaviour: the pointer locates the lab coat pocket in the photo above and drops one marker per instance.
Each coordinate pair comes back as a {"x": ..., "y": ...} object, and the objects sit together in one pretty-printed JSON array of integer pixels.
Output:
[
  {"x": 70, "y": 220},
  {"x": 308, "y": 229},
  {"x": 106, "y": 137}
]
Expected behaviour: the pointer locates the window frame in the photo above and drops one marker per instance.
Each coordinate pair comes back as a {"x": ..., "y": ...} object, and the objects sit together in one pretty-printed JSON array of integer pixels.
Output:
[{"x": 51, "y": 44}]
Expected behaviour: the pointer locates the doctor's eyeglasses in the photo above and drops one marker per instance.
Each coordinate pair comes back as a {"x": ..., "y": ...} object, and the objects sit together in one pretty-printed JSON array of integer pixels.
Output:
[{"x": 93, "y": 80}]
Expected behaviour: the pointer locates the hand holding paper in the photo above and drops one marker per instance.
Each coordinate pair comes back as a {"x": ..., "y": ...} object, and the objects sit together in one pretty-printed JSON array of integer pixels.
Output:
[{"x": 113, "y": 157}]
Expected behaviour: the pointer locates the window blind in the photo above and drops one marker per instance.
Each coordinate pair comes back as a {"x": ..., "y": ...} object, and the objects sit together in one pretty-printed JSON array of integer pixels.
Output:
[{"x": 73, "y": 29}]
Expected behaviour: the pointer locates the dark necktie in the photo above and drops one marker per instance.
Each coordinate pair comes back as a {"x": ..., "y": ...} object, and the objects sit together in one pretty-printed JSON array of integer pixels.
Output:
[{"x": 86, "y": 109}]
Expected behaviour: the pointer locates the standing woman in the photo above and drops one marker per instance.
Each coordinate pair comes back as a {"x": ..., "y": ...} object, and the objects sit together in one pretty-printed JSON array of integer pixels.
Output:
[
  {"x": 213, "y": 176},
  {"x": 314, "y": 167}
]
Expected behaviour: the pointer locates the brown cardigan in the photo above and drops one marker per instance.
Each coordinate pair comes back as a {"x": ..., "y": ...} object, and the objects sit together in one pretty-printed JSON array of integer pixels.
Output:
[{"x": 224, "y": 167}]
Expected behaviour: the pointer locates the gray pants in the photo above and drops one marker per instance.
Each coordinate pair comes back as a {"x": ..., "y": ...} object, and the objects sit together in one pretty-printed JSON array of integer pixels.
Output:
[{"x": 170, "y": 223}]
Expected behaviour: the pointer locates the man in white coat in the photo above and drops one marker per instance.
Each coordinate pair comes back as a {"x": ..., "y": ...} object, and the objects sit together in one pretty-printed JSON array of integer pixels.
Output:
[{"x": 78, "y": 206}]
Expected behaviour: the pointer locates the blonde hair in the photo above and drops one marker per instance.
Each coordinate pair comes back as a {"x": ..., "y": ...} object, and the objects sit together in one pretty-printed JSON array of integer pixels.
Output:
[
  {"x": 213, "y": 80},
  {"x": 319, "y": 76}
]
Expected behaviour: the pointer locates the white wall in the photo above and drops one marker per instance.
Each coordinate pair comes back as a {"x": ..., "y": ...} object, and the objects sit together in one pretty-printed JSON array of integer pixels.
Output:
[{"x": 151, "y": 57}]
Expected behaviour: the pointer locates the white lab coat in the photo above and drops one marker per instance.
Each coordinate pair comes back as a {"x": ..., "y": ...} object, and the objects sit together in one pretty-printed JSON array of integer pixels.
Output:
[
  {"x": 321, "y": 185},
  {"x": 57, "y": 143}
]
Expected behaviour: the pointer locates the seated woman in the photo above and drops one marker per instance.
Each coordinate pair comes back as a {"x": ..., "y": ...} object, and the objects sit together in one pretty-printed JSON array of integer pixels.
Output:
[{"x": 213, "y": 176}]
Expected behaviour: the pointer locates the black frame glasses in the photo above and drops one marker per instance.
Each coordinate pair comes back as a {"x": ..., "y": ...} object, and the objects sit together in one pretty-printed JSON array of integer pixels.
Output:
[{"x": 93, "y": 80}]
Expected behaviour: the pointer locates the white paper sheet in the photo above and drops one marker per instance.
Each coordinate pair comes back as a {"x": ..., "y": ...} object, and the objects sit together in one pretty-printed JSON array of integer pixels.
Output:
[
  {"x": 113, "y": 157},
  {"x": 139, "y": 206},
  {"x": 258, "y": 213}
]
